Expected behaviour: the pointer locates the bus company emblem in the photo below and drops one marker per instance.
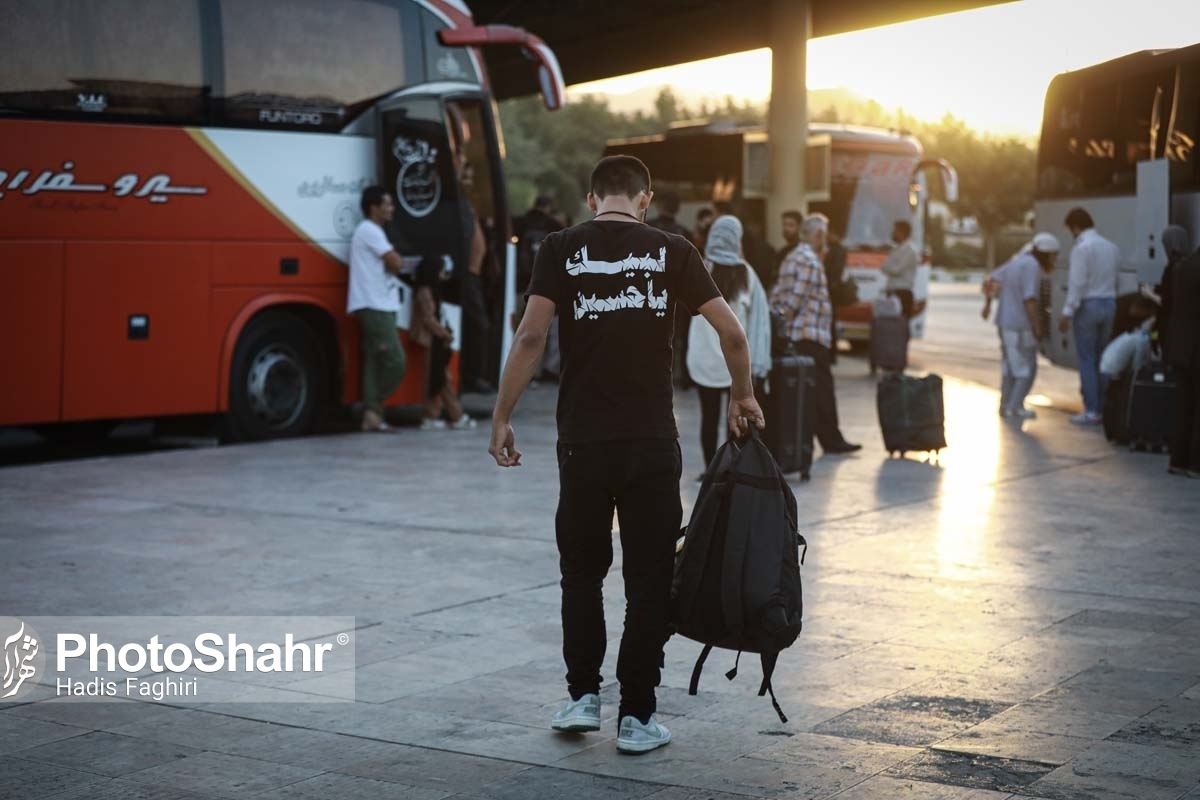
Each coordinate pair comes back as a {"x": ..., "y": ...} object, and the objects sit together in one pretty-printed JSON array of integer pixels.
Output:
[
  {"x": 448, "y": 67},
  {"x": 345, "y": 220},
  {"x": 23, "y": 658},
  {"x": 418, "y": 185},
  {"x": 92, "y": 102}
]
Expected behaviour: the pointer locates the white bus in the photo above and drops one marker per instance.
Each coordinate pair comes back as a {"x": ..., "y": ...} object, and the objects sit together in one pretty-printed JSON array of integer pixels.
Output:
[
  {"x": 863, "y": 179},
  {"x": 1119, "y": 139}
]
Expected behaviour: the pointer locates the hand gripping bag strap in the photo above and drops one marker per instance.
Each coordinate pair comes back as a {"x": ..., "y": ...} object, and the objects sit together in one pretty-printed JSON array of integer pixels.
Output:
[
  {"x": 768, "y": 667},
  {"x": 694, "y": 686}
]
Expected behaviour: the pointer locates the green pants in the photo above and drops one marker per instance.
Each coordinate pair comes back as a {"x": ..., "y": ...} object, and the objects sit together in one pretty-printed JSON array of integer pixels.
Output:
[{"x": 383, "y": 359}]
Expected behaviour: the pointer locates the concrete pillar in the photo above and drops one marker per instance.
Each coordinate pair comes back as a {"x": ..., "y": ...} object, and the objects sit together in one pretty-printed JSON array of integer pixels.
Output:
[{"x": 787, "y": 115}]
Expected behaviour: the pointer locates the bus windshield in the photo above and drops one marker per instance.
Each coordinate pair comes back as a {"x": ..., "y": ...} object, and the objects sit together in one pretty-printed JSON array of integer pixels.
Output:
[{"x": 868, "y": 192}]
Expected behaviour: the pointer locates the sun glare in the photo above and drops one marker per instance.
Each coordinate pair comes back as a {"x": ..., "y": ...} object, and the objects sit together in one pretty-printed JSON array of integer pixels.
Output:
[{"x": 989, "y": 67}]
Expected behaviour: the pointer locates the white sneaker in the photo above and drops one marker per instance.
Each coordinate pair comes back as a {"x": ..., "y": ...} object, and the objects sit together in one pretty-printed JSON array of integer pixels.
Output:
[
  {"x": 634, "y": 737},
  {"x": 578, "y": 715},
  {"x": 463, "y": 423},
  {"x": 428, "y": 424}
]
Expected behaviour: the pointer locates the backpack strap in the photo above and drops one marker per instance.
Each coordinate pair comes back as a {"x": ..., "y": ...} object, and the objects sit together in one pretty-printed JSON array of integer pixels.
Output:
[
  {"x": 768, "y": 666},
  {"x": 694, "y": 686},
  {"x": 733, "y": 672}
]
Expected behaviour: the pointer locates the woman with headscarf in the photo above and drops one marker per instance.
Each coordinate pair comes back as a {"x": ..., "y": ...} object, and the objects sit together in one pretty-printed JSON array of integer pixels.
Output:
[
  {"x": 1179, "y": 326},
  {"x": 1177, "y": 247},
  {"x": 744, "y": 292}
]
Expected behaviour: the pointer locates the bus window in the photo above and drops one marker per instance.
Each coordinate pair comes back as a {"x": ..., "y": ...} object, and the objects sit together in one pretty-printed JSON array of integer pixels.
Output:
[
  {"x": 108, "y": 58},
  {"x": 308, "y": 64},
  {"x": 1181, "y": 137},
  {"x": 471, "y": 144},
  {"x": 444, "y": 63},
  {"x": 1145, "y": 102},
  {"x": 1078, "y": 146}
]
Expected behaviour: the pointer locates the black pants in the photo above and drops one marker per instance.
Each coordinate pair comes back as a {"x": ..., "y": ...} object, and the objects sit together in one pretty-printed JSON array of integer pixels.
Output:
[
  {"x": 905, "y": 296},
  {"x": 1185, "y": 443},
  {"x": 712, "y": 409},
  {"x": 475, "y": 331},
  {"x": 826, "y": 427},
  {"x": 641, "y": 480}
]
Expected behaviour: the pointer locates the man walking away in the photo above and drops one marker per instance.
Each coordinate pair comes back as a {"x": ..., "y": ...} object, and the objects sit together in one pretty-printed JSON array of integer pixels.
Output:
[
  {"x": 901, "y": 267},
  {"x": 373, "y": 298},
  {"x": 1018, "y": 284},
  {"x": 801, "y": 295},
  {"x": 1183, "y": 351},
  {"x": 1090, "y": 307},
  {"x": 612, "y": 283}
]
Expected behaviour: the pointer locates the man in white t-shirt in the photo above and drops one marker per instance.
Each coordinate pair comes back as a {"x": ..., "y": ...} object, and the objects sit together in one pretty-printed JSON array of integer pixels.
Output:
[
  {"x": 373, "y": 299},
  {"x": 901, "y": 266}
]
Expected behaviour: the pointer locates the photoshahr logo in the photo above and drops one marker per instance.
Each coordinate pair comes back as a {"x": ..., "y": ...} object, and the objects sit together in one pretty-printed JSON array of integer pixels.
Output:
[{"x": 24, "y": 658}]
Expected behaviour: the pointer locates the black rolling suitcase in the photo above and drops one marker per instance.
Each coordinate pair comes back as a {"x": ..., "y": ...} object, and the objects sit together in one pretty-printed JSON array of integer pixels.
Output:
[
  {"x": 1116, "y": 410},
  {"x": 911, "y": 413},
  {"x": 1151, "y": 408},
  {"x": 889, "y": 337},
  {"x": 789, "y": 413}
]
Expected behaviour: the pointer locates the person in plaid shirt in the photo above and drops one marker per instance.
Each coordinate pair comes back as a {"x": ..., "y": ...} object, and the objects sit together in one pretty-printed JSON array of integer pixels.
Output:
[{"x": 801, "y": 296}]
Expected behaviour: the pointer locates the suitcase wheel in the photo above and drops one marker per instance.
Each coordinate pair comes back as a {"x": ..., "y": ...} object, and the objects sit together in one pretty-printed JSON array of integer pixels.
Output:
[{"x": 804, "y": 476}]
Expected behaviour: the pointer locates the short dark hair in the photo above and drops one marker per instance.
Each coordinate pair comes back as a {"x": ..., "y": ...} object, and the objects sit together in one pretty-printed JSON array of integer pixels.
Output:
[
  {"x": 543, "y": 201},
  {"x": 794, "y": 215},
  {"x": 905, "y": 227},
  {"x": 620, "y": 175},
  {"x": 371, "y": 197},
  {"x": 668, "y": 202},
  {"x": 1079, "y": 218}
]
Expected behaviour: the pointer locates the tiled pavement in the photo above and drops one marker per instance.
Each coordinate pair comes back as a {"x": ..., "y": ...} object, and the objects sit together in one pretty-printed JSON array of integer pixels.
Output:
[{"x": 1021, "y": 619}]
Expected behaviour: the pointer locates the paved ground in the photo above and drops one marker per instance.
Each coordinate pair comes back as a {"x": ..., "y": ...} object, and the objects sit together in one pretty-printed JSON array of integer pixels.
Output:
[{"x": 1020, "y": 619}]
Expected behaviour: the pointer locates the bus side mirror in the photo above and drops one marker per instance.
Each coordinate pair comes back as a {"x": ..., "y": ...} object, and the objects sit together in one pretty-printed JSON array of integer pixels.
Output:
[
  {"x": 550, "y": 79},
  {"x": 947, "y": 173}
]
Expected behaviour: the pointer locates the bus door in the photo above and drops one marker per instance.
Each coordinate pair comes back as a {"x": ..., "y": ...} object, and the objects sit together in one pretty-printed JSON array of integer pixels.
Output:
[
  {"x": 1150, "y": 218},
  {"x": 439, "y": 157}
]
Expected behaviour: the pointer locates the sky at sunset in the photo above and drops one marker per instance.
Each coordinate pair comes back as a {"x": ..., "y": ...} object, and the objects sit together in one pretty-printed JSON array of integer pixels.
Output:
[{"x": 989, "y": 67}]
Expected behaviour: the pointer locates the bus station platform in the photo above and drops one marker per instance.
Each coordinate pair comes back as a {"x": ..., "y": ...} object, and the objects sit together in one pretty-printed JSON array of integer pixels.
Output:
[{"x": 1019, "y": 617}]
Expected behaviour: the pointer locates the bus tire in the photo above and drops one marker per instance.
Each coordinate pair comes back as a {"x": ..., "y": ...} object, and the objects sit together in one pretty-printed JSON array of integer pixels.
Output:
[{"x": 277, "y": 380}]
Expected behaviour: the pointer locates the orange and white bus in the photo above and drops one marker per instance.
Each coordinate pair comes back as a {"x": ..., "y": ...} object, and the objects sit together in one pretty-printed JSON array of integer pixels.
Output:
[
  {"x": 179, "y": 180},
  {"x": 863, "y": 179}
]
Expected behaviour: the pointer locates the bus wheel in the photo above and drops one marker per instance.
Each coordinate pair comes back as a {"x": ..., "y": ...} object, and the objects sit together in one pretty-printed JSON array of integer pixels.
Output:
[{"x": 276, "y": 386}]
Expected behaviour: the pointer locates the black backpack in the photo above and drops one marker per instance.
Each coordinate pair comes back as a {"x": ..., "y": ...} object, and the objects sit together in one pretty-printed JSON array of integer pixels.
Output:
[{"x": 737, "y": 575}]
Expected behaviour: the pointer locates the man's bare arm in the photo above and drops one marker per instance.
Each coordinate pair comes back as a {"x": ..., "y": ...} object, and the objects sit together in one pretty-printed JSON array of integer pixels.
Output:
[
  {"x": 527, "y": 347},
  {"x": 392, "y": 262}
]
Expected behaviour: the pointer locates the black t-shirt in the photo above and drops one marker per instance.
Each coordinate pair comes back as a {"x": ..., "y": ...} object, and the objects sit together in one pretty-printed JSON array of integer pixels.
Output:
[{"x": 615, "y": 285}]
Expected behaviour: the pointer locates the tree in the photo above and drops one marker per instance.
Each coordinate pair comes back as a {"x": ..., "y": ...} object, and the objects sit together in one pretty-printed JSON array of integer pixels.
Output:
[
  {"x": 996, "y": 176},
  {"x": 554, "y": 153}
]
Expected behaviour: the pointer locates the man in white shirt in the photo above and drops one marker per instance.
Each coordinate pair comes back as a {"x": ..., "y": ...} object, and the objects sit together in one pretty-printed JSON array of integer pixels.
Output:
[
  {"x": 901, "y": 267},
  {"x": 1090, "y": 307},
  {"x": 373, "y": 299}
]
